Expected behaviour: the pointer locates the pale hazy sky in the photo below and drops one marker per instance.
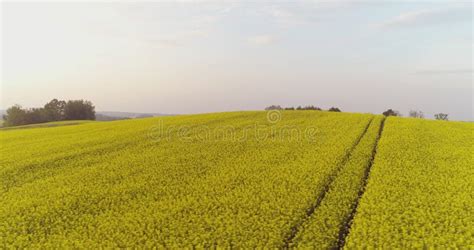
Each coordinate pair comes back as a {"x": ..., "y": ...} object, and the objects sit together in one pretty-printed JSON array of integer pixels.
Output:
[{"x": 193, "y": 57}]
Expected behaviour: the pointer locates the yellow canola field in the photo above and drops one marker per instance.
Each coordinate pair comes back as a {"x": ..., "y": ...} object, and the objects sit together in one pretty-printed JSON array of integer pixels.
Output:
[
  {"x": 324, "y": 229},
  {"x": 420, "y": 192},
  {"x": 241, "y": 179},
  {"x": 275, "y": 179}
]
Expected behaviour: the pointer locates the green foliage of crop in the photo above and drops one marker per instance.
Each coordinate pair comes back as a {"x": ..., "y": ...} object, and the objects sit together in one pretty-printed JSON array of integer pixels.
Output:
[
  {"x": 322, "y": 229},
  {"x": 119, "y": 184},
  {"x": 420, "y": 189}
]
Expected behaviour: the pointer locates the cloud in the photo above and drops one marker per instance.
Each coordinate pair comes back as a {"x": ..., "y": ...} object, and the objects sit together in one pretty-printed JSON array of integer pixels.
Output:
[
  {"x": 409, "y": 18},
  {"x": 261, "y": 40},
  {"x": 428, "y": 17},
  {"x": 444, "y": 71},
  {"x": 165, "y": 25}
]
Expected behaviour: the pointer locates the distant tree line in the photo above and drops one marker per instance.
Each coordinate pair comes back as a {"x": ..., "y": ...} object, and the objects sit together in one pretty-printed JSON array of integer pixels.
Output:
[
  {"x": 55, "y": 110},
  {"x": 310, "y": 107},
  {"x": 389, "y": 112},
  {"x": 415, "y": 114}
]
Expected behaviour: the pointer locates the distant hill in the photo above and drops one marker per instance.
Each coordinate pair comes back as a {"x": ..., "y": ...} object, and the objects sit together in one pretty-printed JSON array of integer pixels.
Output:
[
  {"x": 116, "y": 115},
  {"x": 101, "y": 117},
  {"x": 113, "y": 115},
  {"x": 129, "y": 115},
  {"x": 2, "y": 112}
]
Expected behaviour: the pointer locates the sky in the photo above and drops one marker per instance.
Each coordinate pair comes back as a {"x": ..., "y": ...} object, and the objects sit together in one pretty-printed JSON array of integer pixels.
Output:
[{"x": 181, "y": 57}]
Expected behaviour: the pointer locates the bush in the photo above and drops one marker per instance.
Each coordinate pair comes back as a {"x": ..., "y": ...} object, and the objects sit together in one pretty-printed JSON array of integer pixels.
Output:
[
  {"x": 311, "y": 107},
  {"x": 274, "y": 107},
  {"x": 441, "y": 116},
  {"x": 391, "y": 112},
  {"x": 416, "y": 114}
]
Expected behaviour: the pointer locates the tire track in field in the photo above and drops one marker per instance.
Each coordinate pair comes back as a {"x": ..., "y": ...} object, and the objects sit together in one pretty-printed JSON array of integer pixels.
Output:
[
  {"x": 296, "y": 228},
  {"x": 346, "y": 226}
]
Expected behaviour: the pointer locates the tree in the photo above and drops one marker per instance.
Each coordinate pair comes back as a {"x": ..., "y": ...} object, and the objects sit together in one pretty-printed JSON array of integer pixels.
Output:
[
  {"x": 54, "y": 110},
  {"x": 441, "y": 116},
  {"x": 274, "y": 107},
  {"x": 15, "y": 116},
  {"x": 290, "y": 108},
  {"x": 391, "y": 112},
  {"x": 79, "y": 110},
  {"x": 311, "y": 107},
  {"x": 416, "y": 114},
  {"x": 333, "y": 109},
  {"x": 36, "y": 115}
]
